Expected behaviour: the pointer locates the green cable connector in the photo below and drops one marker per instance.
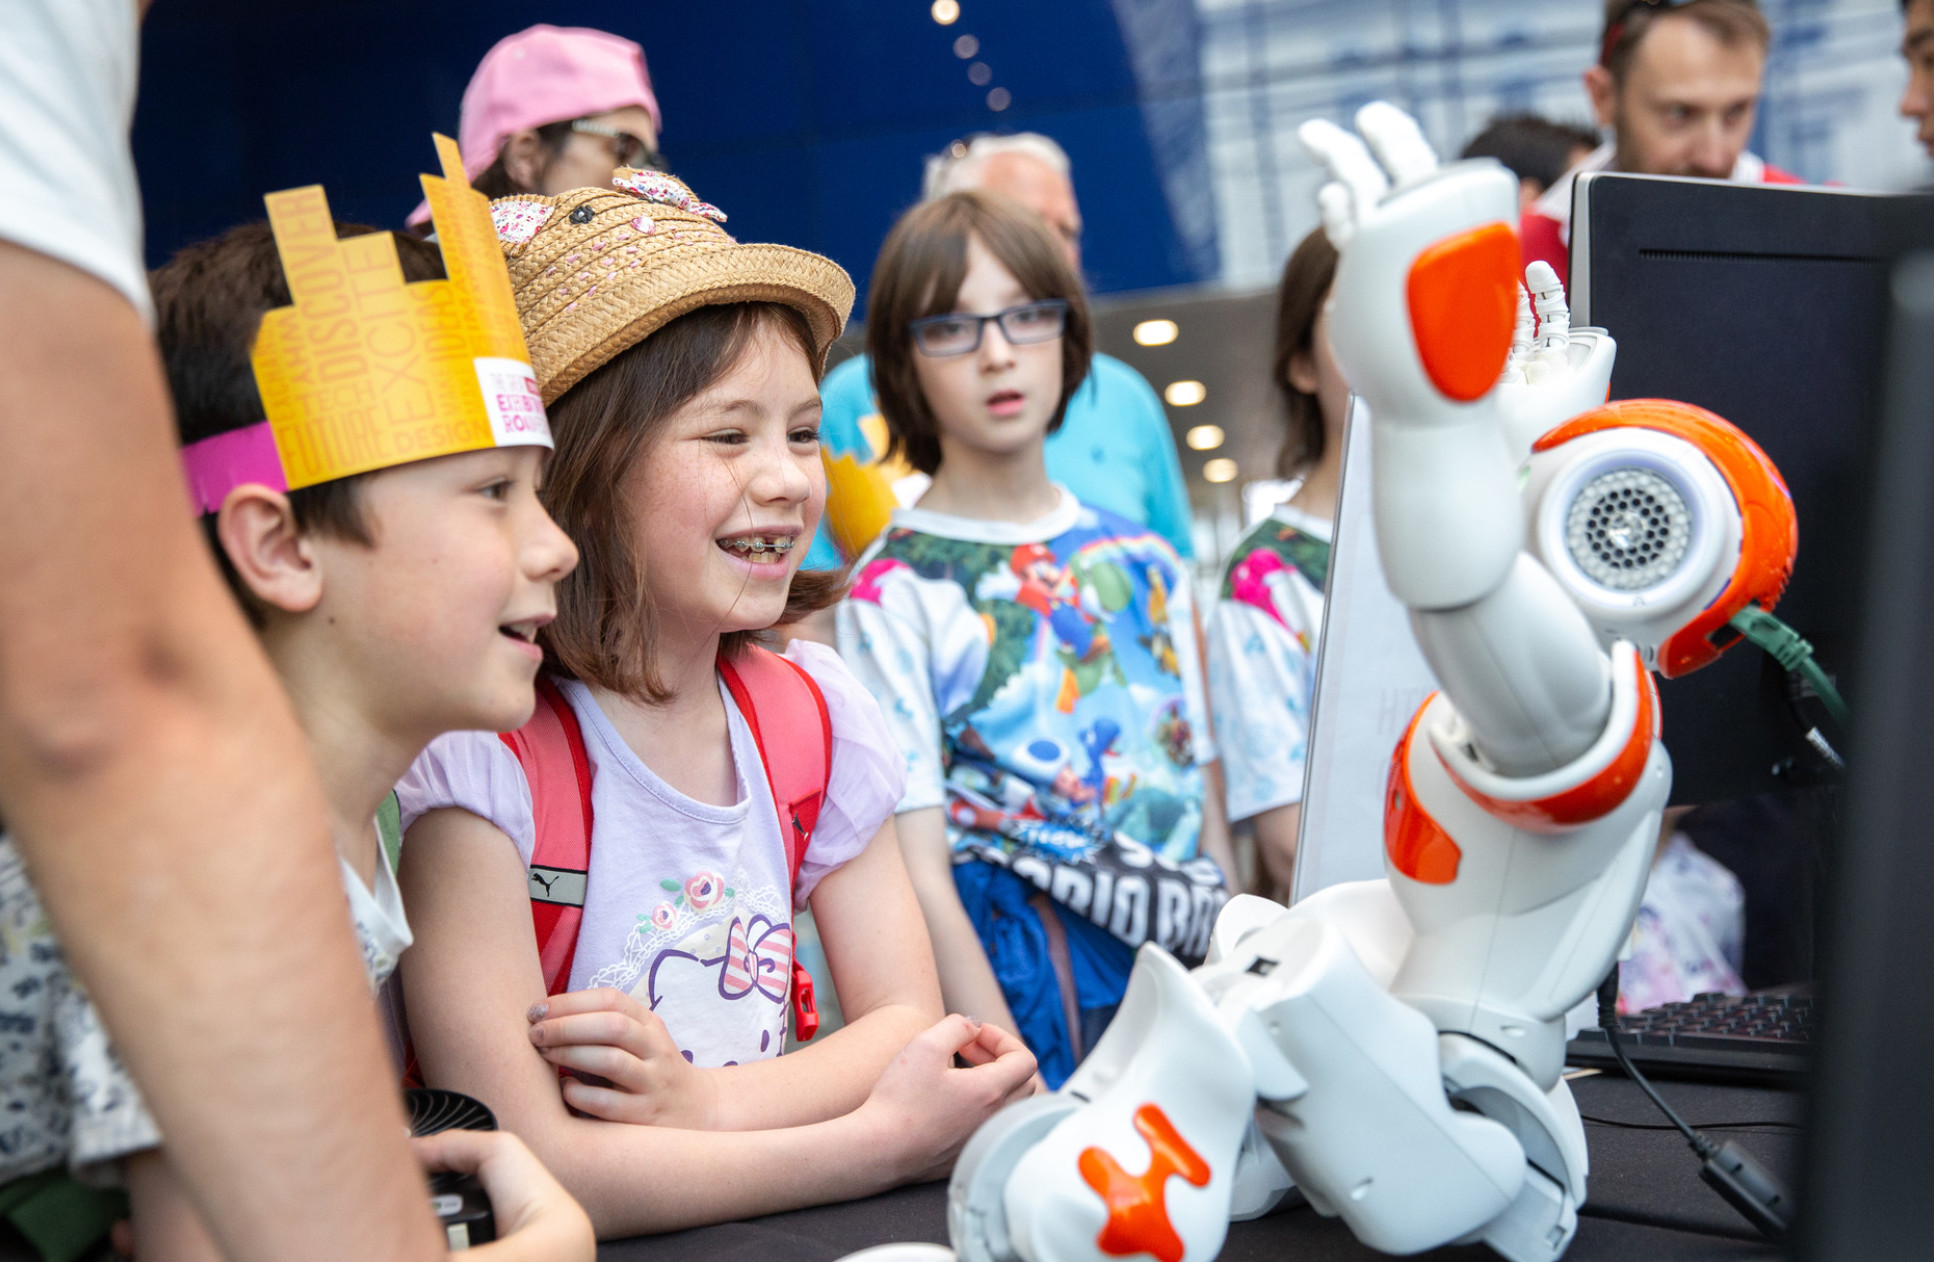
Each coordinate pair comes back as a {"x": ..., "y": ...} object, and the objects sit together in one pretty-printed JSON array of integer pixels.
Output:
[{"x": 1785, "y": 646}]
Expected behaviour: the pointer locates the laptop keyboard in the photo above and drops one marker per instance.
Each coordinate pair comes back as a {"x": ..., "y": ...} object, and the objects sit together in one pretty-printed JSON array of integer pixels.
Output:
[{"x": 1758, "y": 1038}]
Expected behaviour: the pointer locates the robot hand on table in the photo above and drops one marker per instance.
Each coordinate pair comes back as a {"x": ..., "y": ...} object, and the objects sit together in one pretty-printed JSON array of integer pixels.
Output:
[{"x": 1395, "y": 1046}]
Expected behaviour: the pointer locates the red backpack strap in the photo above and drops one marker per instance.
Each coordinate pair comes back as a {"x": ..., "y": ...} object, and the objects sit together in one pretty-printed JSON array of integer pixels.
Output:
[
  {"x": 780, "y": 702},
  {"x": 550, "y": 749}
]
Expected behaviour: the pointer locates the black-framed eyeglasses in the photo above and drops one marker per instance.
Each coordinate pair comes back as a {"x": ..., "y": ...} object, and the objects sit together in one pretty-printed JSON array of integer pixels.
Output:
[
  {"x": 958, "y": 334},
  {"x": 627, "y": 150},
  {"x": 1616, "y": 29}
]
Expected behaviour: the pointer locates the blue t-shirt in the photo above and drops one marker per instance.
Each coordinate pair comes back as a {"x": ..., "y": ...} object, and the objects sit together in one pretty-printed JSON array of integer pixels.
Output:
[{"x": 1114, "y": 450}]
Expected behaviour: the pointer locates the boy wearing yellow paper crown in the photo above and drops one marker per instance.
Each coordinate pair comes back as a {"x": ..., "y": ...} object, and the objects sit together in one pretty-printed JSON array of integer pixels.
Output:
[{"x": 365, "y": 453}]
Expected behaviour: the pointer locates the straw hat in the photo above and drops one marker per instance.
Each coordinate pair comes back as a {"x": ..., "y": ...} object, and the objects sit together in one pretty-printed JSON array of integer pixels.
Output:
[{"x": 597, "y": 270}]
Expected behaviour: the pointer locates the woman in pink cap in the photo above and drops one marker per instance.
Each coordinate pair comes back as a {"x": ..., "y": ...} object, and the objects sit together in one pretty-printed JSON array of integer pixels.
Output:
[{"x": 555, "y": 108}]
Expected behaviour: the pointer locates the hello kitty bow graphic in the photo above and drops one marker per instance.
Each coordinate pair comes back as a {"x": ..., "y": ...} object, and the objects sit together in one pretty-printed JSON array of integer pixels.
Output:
[
  {"x": 666, "y": 190},
  {"x": 763, "y": 963}
]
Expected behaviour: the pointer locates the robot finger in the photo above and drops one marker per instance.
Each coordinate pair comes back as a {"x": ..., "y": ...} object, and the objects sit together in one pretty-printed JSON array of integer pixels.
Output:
[
  {"x": 1349, "y": 163},
  {"x": 1339, "y": 214},
  {"x": 1397, "y": 141},
  {"x": 1521, "y": 339},
  {"x": 1548, "y": 297}
]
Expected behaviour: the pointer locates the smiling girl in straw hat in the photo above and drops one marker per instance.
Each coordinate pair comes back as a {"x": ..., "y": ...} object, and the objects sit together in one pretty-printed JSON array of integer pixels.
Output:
[{"x": 681, "y": 371}]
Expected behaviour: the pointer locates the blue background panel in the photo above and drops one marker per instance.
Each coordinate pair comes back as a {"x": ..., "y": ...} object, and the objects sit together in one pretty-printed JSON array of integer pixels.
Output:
[{"x": 808, "y": 123}]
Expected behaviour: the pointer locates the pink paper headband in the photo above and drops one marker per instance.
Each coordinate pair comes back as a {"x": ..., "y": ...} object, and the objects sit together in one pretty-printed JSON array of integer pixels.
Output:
[{"x": 215, "y": 466}]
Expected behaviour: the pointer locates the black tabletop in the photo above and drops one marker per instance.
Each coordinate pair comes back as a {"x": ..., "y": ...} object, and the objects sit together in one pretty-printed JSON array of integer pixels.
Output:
[{"x": 1644, "y": 1197}]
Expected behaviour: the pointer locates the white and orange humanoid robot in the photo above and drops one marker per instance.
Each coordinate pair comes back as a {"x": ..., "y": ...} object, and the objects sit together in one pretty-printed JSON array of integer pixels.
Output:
[{"x": 1395, "y": 1046}]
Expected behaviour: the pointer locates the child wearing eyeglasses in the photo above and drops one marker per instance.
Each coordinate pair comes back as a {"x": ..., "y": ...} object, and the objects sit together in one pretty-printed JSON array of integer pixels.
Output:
[{"x": 1036, "y": 657}]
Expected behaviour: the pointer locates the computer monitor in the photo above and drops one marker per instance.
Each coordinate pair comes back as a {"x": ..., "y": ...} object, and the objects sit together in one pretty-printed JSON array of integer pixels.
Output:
[
  {"x": 1766, "y": 304},
  {"x": 1872, "y": 1109}
]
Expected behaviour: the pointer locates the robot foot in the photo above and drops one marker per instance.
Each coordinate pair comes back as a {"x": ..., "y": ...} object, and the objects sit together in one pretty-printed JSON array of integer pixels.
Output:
[
  {"x": 976, "y": 1196},
  {"x": 1138, "y": 1153}
]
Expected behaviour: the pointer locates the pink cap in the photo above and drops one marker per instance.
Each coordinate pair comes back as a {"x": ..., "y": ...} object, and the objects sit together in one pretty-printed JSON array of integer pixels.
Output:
[{"x": 547, "y": 74}]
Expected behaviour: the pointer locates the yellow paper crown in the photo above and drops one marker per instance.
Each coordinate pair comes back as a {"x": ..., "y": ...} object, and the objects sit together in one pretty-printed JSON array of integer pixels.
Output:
[{"x": 366, "y": 371}]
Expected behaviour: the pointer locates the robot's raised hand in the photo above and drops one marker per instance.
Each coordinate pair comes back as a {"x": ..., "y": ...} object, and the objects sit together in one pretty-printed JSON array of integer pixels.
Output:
[
  {"x": 1427, "y": 284},
  {"x": 1358, "y": 182},
  {"x": 1554, "y": 371}
]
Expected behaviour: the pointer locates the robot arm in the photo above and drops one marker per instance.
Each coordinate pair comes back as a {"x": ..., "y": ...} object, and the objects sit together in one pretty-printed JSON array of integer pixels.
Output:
[{"x": 1422, "y": 318}]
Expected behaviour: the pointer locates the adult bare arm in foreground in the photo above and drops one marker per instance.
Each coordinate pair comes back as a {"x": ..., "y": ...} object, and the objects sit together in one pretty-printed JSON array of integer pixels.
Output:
[{"x": 151, "y": 772}]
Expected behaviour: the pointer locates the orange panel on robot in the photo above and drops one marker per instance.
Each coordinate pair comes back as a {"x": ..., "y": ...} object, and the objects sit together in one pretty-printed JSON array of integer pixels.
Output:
[
  {"x": 1463, "y": 294},
  {"x": 1417, "y": 844},
  {"x": 1138, "y": 1220}
]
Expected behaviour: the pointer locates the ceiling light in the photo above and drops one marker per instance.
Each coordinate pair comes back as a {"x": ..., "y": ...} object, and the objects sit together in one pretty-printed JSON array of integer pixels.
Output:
[
  {"x": 999, "y": 99},
  {"x": 1221, "y": 469},
  {"x": 945, "y": 12},
  {"x": 1155, "y": 332},
  {"x": 966, "y": 46},
  {"x": 1205, "y": 437},
  {"x": 1185, "y": 394},
  {"x": 980, "y": 74}
]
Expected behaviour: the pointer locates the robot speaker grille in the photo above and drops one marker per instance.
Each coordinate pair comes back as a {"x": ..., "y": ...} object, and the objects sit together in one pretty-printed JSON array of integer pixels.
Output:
[{"x": 1628, "y": 529}]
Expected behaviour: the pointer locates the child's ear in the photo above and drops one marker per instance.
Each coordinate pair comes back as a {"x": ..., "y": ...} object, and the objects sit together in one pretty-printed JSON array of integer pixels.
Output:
[
  {"x": 278, "y": 566},
  {"x": 1302, "y": 372}
]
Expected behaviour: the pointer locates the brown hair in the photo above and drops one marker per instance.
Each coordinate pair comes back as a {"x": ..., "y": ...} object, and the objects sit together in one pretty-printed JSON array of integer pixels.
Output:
[
  {"x": 1531, "y": 147},
  {"x": 209, "y": 301},
  {"x": 1730, "y": 22},
  {"x": 494, "y": 180},
  {"x": 606, "y": 621},
  {"x": 1299, "y": 300},
  {"x": 919, "y": 273}
]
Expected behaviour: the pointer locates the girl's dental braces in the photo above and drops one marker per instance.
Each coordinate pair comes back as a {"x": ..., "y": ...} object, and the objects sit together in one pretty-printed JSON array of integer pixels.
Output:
[{"x": 755, "y": 547}]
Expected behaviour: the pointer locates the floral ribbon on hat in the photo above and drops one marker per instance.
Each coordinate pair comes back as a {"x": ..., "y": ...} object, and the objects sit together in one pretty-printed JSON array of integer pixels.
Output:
[{"x": 666, "y": 190}]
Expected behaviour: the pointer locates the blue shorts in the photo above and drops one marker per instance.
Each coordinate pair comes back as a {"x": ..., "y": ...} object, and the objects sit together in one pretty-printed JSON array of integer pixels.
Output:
[{"x": 1016, "y": 943}]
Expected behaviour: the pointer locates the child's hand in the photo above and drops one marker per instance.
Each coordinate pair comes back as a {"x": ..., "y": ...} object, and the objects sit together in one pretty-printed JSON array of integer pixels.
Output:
[
  {"x": 928, "y": 1108},
  {"x": 637, "y": 1072},
  {"x": 536, "y": 1218}
]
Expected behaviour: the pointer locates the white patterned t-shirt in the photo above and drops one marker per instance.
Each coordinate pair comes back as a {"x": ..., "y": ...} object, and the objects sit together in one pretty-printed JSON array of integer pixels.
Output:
[
  {"x": 65, "y": 1097},
  {"x": 686, "y": 905},
  {"x": 1262, "y": 658}
]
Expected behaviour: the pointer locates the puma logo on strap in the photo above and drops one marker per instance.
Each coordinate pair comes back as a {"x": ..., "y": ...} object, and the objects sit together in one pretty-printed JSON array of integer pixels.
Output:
[{"x": 562, "y": 886}]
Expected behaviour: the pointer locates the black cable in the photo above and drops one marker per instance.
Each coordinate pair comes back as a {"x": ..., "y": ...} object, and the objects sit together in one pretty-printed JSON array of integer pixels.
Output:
[
  {"x": 1698, "y": 1126},
  {"x": 1608, "y": 1021},
  {"x": 1728, "y": 1169}
]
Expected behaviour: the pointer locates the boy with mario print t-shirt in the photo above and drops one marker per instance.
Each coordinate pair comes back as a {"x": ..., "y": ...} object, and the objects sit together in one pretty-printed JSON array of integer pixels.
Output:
[{"x": 1035, "y": 657}]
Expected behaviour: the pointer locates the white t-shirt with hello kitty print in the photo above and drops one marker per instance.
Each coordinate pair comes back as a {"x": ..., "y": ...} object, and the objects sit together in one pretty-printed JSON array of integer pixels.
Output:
[{"x": 686, "y": 907}]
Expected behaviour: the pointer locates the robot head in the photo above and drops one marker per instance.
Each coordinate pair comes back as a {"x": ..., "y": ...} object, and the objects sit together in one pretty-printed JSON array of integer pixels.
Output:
[{"x": 1662, "y": 521}]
